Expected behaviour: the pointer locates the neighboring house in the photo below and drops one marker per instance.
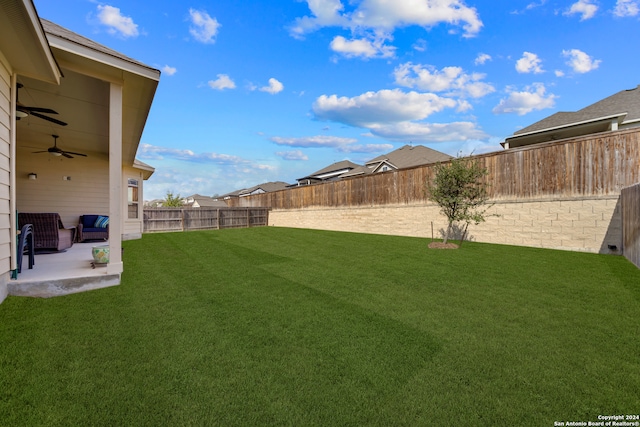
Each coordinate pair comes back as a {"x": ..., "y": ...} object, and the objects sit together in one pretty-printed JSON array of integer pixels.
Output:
[
  {"x": 618, "y": 111},
  {"x": 232, "y": 195},
  {"x": 198, "y": 201},
  {"x": 265, "y": 187},
  {"x": 404, "y": 157},
  {"x": 329, "y": 173},
  {"x": 155, "y": 203},
  {"x": 103, "y": 97}
]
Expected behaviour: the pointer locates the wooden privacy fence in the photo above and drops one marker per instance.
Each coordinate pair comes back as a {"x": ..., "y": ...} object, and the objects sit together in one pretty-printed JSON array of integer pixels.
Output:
[
  {"x": 186, "y": 219},
  {"x": 630, "y": 202},
  {"x": 594, "y": 165}
]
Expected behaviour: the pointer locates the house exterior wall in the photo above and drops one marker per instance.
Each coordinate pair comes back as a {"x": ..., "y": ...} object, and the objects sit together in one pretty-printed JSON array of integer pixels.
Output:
[
  {"x": 5, "y": 150},
  {"x": 587, "y": 225},
  {"x": 132, "y": 227},
  {"x": 86, "y": 191}
]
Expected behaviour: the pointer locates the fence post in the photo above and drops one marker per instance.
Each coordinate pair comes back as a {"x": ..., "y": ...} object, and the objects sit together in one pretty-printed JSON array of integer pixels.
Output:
[
  {"x": 248, "y": 218},
  {"x": 218, "y": 218}
]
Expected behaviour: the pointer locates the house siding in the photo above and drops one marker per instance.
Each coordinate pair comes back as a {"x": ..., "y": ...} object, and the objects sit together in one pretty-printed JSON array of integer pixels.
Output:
[
  {"x": 86, "y": 192},
  {"x": 5, "y": 141},
  {"x": 132, "y": 228}
]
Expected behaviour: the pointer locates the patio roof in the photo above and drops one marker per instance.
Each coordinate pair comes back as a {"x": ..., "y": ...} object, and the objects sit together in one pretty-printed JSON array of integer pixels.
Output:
[
  {"x": 82, "y": 97},
  {"x": 24, "y": 44}
]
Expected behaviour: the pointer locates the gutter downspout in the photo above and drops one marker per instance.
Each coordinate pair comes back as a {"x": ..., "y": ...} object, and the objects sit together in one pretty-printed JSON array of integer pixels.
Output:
[{"x": 13, "y": 266}]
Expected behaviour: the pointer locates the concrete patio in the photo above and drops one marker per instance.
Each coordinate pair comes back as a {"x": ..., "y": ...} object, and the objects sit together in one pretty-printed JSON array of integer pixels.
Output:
[{"x": 62, "y": 273}]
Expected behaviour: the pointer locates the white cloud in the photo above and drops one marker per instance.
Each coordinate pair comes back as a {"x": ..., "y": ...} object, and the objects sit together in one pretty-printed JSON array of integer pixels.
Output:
[
  {"x": 580, "y": 62},
  {"x": 222, "y": 82},
  {"x": 204, "y": 28},
  {"x": 292, "y": 155},
  {"x": 585, "y": 8},
  {"x": 326, "y": 13},
  {"x": 385, "y": 16},
  {"x": 559, "y": 73},
  {"x": 170, "y": 71},
  {"x": 319, "y": 141},
  {"x": 626, "y": 8},
  {"x": 482, "y": 58},
  {"x": 529, "y": 63},
  {"x": 385, "y": 106},
  {"x": 340, "y": 144},
  {"x": 522, "y": 102},
  {"x": 420, "y": 45},
  {"x": 152, "y": 152},
  {"x": 427, "y": 13},
  {"x": 362, "y": 48},
  {"x": 397, "y": 115},
  {"x": 428, "y": 132},
  {"x": 366, "y": 148},
  {"x": 118, "y": 24},
  {"x": 530, "y": 6},
  {"x": 451, "y": 80},
  {"x": 274, "y": 87}
]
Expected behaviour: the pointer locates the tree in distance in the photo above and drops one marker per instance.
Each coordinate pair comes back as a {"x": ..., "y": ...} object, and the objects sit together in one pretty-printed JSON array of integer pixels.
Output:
[
  {"x": 461, "y": 192},
  {"x": 171, "y": 201}
]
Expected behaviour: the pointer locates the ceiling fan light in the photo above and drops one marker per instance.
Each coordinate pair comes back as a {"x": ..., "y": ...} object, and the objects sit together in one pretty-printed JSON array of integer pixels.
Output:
[
  {"x": 21, "y": 114},
  {"x": 56, "y": 154}
]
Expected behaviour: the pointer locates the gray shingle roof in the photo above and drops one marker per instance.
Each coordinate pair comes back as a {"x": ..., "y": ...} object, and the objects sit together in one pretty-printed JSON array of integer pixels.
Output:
[
  {"x": 409, "y": 156},
  {"x": 624, "y": 103},
  {"x": 58, "y": 31},
  {"x": 344, "y": 164},
  {"x": 268, "y": 187}
]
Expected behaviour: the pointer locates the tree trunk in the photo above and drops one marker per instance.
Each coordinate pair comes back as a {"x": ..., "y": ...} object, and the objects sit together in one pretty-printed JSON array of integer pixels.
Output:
[
  {"x": 446, "y": 234},
  {"x": 464, "y": 234}
]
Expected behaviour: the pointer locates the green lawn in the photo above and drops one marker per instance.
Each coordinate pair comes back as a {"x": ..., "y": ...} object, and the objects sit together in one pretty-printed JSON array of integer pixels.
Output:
[{"x": 276, "y": 326}]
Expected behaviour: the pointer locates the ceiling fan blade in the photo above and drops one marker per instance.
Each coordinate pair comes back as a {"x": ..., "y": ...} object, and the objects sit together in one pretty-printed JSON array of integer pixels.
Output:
[
  {"x": 64, "y": 153},
  {"x": 56, "y": 121},
  {"x": 36, "y": 152},
  {"x": 76, "y": 154},
  {"x": 36, "y": 109}
]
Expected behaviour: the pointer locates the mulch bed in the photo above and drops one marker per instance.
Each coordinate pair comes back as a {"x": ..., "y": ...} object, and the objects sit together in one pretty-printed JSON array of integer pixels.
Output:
[{"x": 440, "y": 245}]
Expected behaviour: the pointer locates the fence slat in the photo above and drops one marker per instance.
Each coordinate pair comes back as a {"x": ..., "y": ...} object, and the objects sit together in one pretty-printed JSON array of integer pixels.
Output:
[
  {"x": 630, "y": 202},
  {"x": 187, "y": 219},
  {"x": 598, "y": 164}
]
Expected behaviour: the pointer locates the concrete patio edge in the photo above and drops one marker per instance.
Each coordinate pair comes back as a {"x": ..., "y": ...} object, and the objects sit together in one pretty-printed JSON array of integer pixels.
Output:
[{"x": 59, "y": 287}]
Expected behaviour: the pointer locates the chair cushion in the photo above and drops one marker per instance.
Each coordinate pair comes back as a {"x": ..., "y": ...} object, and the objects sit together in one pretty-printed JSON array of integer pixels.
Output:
[
  {"x": 101, "y": 222},
  {"x": 88, "y": 221}
]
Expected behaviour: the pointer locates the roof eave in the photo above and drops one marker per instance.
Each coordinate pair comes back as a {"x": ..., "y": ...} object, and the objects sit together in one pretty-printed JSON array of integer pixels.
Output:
[
  {"x": 568, "y": 125},
  {"x": 24, "y": 43}
]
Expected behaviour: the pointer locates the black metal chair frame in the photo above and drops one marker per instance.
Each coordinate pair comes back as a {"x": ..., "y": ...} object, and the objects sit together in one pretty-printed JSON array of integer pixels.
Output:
[{"x": 25, "y": 244}]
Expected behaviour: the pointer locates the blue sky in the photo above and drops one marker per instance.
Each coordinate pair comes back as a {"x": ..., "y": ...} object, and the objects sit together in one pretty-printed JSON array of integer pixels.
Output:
[{"x": 272, "y": 90}]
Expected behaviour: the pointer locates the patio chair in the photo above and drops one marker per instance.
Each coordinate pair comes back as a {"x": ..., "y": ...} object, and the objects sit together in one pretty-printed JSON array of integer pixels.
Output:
[
  {"x": 48, "y": 231},
  {"x": 93, "y": 227}
]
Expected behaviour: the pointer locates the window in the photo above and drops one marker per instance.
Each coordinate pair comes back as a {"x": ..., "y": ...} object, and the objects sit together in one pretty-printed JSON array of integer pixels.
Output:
[{"x": 132, "y": 198}]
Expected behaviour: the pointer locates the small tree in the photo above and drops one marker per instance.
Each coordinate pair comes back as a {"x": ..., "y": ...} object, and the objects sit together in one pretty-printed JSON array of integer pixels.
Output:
[
  {"x": 460, "y": 191},
  {"x": 171, "y": 201}
]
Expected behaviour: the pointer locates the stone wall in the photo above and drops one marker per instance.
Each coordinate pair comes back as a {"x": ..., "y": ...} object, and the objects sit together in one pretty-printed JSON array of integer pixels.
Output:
[{"x": 579, "y": 224}]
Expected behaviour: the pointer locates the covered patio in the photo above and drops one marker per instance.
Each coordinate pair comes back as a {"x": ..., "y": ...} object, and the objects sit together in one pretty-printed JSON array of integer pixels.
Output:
[
  {"x": 77, "y": 157},
  {"x": 62, "y": 273}
]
